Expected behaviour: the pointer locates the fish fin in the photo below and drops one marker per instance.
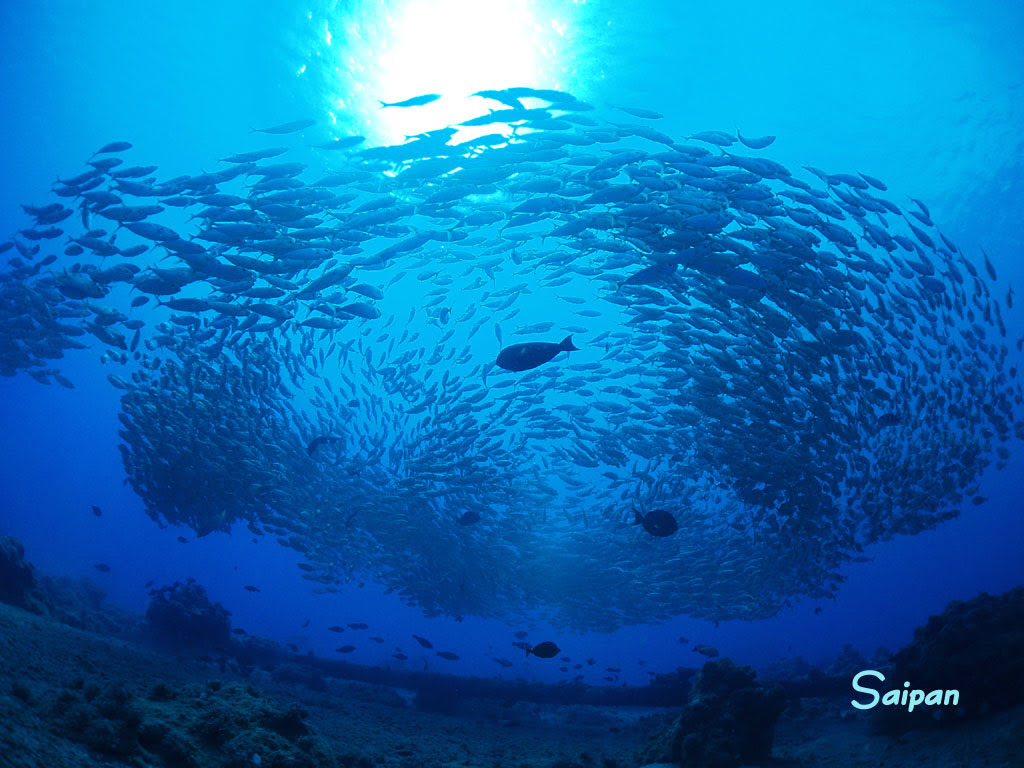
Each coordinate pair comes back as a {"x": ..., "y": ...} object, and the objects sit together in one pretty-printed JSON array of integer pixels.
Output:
[
  {"x": 528, "y": 649},
  {"x": 385, "y": 104},
  {"x": 567, "y": 344},
  {"x": 638, "y": 520}
]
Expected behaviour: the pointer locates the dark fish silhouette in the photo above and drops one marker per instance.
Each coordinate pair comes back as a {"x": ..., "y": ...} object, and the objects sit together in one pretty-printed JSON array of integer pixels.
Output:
[
  {"x": 114, "y": 146},
  {"x": 102, "y": 567},
  {"x": 345, "y": 649},
  {"x": 657, "y": 522},
  {"x": 523, "y": 357},
  {"x": 888, "y": 420},
  {"x": 423, "y": 641},
  {"x": 755, "y": 142},
  {"x": 316, "y": 442},
  {"x": 292, "y": 127},
  {"x": 545, "y": 650},
  {"x": 448, "y": 655},
  {"x": 415, "y": 101},
  {"x": 97, "y": 511},
  {"x": 468, "y": 518},
  {"x": 251, "y": 588}
]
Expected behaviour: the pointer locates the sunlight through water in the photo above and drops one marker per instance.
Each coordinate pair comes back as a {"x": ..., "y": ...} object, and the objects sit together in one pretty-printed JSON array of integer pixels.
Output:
[{"x": 392, "y": 51}]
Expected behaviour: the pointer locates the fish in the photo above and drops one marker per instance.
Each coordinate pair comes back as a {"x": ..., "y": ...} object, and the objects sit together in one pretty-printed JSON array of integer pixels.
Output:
[
  {"x": 346, "y": 142},
  {"x": 292, "y": 127},
  {"x": 335, "y": 628},
  {"x": 657, "y": 522},
  {"x": 415, "y": 101},
  {"x": 102, "y": 567},
  {"x": 469, "y": 517},
  {"x": 755, "y": 143},
  {"x": 345, "y": 649},
  {"x": 646, "y": 114},
  {"x": 251, "y": 588},
  {"x": 358, "y": 625},
  {"x": 97, "y": 511},
  {"x": 545, "y": 650},
  {"x": 114, "y": 146},
  {"x": 448, "y": 655},
  {"x": 705, "y": 361},
  {"x": 531, "y": 354},
  {"x": 316, "y": 442},
  {"x": 706, "y": 650},
  {"x": 422, "y": 641}
]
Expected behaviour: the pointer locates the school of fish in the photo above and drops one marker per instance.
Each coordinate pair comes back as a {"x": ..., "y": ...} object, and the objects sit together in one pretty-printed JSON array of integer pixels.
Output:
[{"x": 470, "y": 368}]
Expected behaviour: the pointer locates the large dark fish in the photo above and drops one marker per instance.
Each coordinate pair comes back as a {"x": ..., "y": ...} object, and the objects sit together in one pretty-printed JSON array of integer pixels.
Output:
[
  {"x": 523, "y": 357},
  {"x": 657, "y": 522},
  {"x": 545, "y": 650},
  {"x": 469, "y": 517}
]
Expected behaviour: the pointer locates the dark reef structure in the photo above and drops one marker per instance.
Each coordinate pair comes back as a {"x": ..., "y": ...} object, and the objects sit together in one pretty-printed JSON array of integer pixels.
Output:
[
  {"x": 729, "y": 720},
  {"x": 18, "y": 585},
  {"x": 227, "y": 726},
  {"x": 974, "y": 646},
  {"x": 182, "y": 616}
]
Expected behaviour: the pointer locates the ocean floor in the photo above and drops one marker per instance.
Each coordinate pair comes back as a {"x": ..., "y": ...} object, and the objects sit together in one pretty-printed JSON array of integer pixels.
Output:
[{"x": 71, "y": 697}]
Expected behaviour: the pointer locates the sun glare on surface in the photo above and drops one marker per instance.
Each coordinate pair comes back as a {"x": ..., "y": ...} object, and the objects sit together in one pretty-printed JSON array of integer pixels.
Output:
[{"x": 398, "y": 50}]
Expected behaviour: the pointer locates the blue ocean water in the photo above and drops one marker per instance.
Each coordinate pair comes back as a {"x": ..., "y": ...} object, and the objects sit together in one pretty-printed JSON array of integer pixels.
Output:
[{"x": 926, "y": 96}]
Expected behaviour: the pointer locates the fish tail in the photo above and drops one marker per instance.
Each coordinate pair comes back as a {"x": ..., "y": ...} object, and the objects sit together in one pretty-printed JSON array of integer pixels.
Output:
[
  {"x": 385, "y": 104},
  {"x": 528, "y": 649},
  {"x": 567, "y": 344},
  {"x": 637, "y": 518}
]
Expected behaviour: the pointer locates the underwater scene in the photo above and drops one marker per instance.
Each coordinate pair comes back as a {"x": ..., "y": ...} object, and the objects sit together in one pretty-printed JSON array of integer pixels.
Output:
[{"x": 511, "y": 384}]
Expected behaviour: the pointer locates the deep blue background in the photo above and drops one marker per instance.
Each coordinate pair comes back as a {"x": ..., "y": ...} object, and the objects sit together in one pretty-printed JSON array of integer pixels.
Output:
[{"x": 927, "y": 96}]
